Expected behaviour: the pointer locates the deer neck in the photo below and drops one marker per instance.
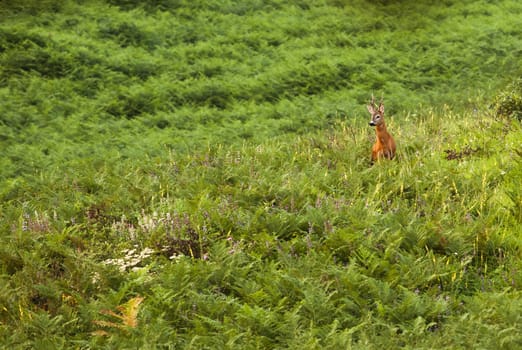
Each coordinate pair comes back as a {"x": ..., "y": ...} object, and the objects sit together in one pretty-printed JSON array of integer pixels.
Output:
[
  {"x": 381, "y": 129},
  {"x": 382, "y": 133}
]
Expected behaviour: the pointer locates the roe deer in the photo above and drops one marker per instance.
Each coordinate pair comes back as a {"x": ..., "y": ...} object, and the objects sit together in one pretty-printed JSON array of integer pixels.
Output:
[{"x": 384, "y": 146}]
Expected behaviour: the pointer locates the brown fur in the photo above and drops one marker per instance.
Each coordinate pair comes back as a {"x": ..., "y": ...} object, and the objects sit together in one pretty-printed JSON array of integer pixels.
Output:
[{"x": 384, "y": 146}]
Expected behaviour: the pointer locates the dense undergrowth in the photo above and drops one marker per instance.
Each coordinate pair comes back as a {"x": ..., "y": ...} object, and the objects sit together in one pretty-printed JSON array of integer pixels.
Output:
[{"x": 196, "y": 175}]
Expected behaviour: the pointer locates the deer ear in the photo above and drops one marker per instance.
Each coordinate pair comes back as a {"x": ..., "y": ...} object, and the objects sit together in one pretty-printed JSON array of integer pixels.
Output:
[
  {"x": 370, "y": 109},
  {"x": 381, "y": 108}
]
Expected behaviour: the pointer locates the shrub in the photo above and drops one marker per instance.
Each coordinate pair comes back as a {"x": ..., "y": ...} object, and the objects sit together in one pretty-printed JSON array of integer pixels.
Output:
[{"x": 508, "y": 103}]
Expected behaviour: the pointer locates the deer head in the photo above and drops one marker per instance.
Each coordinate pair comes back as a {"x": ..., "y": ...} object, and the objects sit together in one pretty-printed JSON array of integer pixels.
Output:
[{"x": 377, "y": 113}]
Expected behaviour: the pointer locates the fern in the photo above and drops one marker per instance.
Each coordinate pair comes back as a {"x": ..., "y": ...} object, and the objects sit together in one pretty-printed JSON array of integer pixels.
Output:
[
  {"x": 212, "y": 157},
  {"x": 127, "y": 315}
]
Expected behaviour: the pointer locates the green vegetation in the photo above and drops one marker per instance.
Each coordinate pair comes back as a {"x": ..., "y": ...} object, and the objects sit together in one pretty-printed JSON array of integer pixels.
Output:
[
  {"x": 508, "y": 103},
  {"x": 195, "y": 174}
]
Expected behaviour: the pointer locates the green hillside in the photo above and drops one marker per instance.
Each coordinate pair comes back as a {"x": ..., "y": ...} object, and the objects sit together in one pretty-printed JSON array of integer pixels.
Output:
[{"x": 196, "y": 174}]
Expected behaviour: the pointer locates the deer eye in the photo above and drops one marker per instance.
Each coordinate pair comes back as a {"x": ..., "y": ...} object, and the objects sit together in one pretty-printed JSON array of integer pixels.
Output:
[{"x": 377, "y": 116}]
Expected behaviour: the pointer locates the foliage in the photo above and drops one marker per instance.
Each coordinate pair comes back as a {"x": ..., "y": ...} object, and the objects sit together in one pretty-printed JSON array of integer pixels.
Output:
[
  {"x": 128, "y": 317},
  {"x": 196, "y": 174},
  {"x": 508, "y": 103}
]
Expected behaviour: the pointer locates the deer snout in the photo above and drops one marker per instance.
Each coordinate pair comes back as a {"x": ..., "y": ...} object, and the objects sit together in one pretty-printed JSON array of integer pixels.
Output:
[{"x": 372, "y": 123}]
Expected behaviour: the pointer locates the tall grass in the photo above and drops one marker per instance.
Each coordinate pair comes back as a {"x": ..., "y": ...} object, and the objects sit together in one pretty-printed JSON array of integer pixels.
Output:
[
  {"x": 282, "y": 243},
  {"x": 183, "y": 75}
]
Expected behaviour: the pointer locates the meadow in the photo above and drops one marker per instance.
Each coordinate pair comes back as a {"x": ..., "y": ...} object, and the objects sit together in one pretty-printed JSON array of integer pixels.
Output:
[{"x": 196, "y": 175}]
